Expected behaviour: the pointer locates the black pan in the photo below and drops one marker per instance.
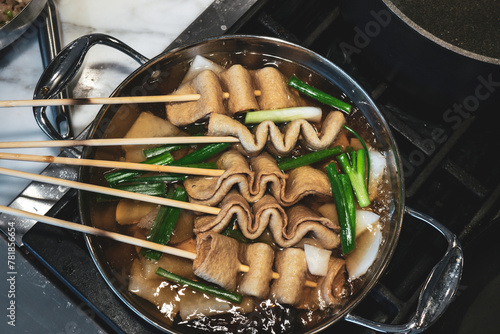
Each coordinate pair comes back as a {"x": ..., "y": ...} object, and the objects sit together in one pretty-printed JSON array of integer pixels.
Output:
[{"x": 430, "y": 53}]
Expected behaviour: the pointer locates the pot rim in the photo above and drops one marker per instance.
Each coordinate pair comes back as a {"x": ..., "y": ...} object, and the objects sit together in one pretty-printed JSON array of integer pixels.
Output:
[{"x": 364, "y": 103}]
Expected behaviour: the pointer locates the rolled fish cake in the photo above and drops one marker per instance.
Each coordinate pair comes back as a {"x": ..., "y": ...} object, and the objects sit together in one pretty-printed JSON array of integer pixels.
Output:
[
  {"x": 275, "y": 92},
  {"x": 238, "y": 82},
  {"x": 259, "y": 257},
  {"x": 292, "y": 267},
  {"x": 207, "y": 84},
  {"x": 217, "y": 259}
]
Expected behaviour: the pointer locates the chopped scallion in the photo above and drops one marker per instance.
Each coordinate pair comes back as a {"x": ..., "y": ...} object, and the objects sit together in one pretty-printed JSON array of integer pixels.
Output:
[
  {"x": 312, "y": 114},
  {"x": 9, "y": 14},
  {"x": 201, "y": 154},
  {"x": 346, "y": 209},
  {"x": 356, "y": 171},
  {"x": 123, "y": 175},
  {"x": 155, "y": 151},
  {"x": 164, "y": 223},
  {"x": 224, "y": 294},
  {"x": 317, "y": 94},
  {"x": 308, "y": 159}
]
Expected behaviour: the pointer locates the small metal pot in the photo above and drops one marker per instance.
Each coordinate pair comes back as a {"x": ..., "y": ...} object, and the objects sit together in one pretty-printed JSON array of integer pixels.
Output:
[
  {"x": 163, "y": 74},
  {"x": 21, "y": 22}
]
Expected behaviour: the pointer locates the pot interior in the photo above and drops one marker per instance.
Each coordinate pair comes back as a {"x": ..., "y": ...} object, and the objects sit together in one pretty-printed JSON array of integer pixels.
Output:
[{"x": 163, "y": 75}]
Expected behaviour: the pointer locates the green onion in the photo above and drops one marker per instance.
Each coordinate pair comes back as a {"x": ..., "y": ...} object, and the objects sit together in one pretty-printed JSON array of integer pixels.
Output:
[
  {"x": 232, "y": 232},
  {"x": 9, "y": 14},
  {"x": 312, "y": 114},
  {"x": 224, "y": 294},
  {"x": 316, "y": 94},
  {"x": 237, "y": 235},
  {"x": 151, "y": 189},
  {"x": 160, "y": 216},
  {"x": 164, "y": 223},
  {"x": 204, "y": 165},
  {"x": 201, "y": 154},
  {"x": 170, "y": 177},
  {"x": 308, "y": 159},
  {"x": 367, "y": 155},
  {"x": 356, "y": 171},
  {"x": 119, "y": 176},
  {"x": 158, "y": 178},
  {"x": 194, "y": 159},
  {"x": 155, "y": 151},
  {"x": 346, "y": 209}
]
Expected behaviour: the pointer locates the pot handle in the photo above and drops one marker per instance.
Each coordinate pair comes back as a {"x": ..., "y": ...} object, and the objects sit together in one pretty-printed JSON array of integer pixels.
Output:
[
  {"x": 64, "y": 67},
  {"x": 437, "y": 292}
]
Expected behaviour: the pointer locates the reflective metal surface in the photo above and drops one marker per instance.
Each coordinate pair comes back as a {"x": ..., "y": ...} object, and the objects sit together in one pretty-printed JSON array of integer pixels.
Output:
[
  {"x": 64, "y": 68},
  {"x": 438, "y": 291},
  {"x": 21, "y": 22},
  {"x": 50, "y": 41}
]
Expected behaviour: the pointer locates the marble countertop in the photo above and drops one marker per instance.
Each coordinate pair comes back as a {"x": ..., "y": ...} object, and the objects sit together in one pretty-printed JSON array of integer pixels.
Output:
[{"x": 147, "y": 26}]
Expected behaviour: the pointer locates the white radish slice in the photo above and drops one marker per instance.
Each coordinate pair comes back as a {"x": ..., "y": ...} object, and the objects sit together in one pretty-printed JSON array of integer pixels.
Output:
[
  {"x": 200, "y": 64},
  {"x": 317, "y": 259},
  {"x": 378, "y": 164},
  {"x": 364, "y": 219},
  {"x": 362, "y": 257}
]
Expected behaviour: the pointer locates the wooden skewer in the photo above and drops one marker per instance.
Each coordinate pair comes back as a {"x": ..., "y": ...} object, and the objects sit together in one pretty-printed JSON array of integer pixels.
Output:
[
  {"x": 111, "y": 164},
  {"x": 100, "y": 100},
  {"x": 117, "y": 236},
  {"x": 110, "y": 191},
  {"x": 98, "y": 232},
  {"x": 107, "y": 100},
  {"x": 120, "y": 142}
]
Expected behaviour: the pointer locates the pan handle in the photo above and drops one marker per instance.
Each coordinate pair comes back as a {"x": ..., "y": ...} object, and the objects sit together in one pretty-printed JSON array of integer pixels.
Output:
[
  {"x": 64, "y": 67},
  {"x": 437, "y": 292}
]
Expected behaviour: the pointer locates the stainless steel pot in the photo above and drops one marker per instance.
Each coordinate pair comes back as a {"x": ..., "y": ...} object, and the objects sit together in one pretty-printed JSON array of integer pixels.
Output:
[
  {"x": 21, "y": 22},
  {"x": 163, "y": 74}
]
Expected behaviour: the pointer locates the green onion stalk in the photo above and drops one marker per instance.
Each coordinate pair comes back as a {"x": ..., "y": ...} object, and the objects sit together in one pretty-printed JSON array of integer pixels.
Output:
[{"x": 217, "y": 292}]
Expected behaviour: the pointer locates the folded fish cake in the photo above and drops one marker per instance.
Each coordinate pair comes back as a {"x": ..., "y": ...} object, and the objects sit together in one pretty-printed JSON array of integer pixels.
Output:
[
  {"x": 233, "y": 205},
  {"x": 279, "y": 142},
  {"x": 211, "y": 190}
]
